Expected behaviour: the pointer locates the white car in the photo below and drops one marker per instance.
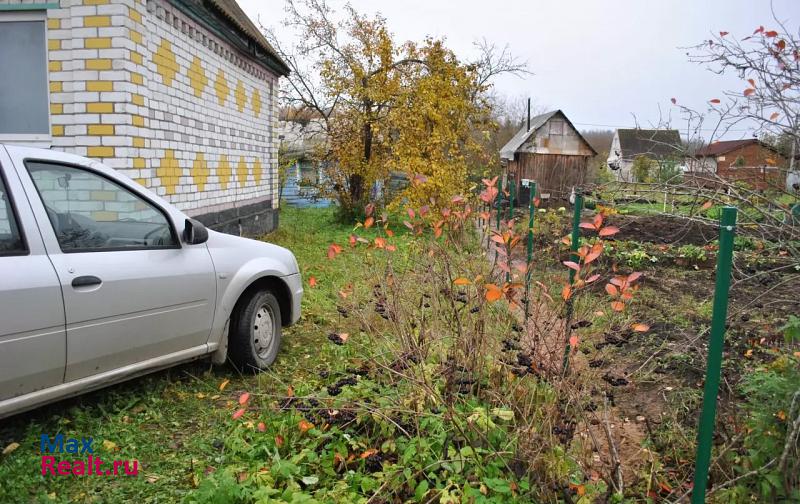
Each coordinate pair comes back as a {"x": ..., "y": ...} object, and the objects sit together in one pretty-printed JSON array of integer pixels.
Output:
[{"x": 101, "y": 280}]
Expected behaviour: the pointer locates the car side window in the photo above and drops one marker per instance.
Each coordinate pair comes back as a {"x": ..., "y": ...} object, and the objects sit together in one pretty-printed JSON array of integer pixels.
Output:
[
  {"x": 90, "y": 213},
  {"x": 11, "y": 242}
]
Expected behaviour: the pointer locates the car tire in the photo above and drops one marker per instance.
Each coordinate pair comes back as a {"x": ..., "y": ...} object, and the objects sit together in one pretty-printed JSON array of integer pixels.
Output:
[{"x": 255, "y": 332}]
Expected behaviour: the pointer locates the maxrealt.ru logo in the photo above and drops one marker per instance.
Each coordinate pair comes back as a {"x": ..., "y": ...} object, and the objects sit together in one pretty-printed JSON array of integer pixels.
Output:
[{"x": 88, "y": 465}]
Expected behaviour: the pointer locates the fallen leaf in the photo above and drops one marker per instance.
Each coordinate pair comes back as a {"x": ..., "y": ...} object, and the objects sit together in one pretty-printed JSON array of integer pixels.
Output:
[
  {"x": 278, "y": 441},
  {"x": 781, "y": 415},
  {"x": 461, "y": 281},
  {"x": 238, "y": 414},
  {"x": 289, "y": 391},
  {"x": 333, "y": 249},
  {"x": 641, "y": 327},
  {"x": 573, "y": 341},
  {"x": 305, "y": 426},
  {"x": 566, "y": 292},
  {"x": 707, "y": 205},
  {"x": 262, "y": 427},
  {"x": 109, "y": 445},
  {"x": 617, "y": 305},
  {"x": 223, "y": 385},
  {"x": 244, "y": 398},
  {"x": 368, "y": 222},
  {"x": 367, "y": 453},
  {"x": 749, "y": 353},
  {"x": 312, "y": 282},
  {"x": 10, "y": 448}
]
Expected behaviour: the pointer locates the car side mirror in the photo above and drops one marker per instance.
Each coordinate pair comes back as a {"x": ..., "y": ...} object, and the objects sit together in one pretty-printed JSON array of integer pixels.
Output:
[{"x": 194, "y": 232}]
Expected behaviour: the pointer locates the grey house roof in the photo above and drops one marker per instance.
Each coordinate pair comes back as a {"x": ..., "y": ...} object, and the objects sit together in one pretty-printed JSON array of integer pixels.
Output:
[
  {"x": 522, "y": 136},
  {"x": 508, "y": 150},
  {"x": 656, "y": 144}
]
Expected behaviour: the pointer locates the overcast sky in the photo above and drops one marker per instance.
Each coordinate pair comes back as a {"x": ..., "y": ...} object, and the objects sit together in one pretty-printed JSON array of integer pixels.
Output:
[{"x": 601, "y": 62}]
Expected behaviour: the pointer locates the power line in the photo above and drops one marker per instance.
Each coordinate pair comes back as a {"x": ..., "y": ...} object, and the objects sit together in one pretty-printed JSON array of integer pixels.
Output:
[{"x": 618, "y": 126}]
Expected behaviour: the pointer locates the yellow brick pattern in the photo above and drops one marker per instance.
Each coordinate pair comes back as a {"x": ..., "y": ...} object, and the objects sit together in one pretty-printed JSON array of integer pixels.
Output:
[
  {"x": 56, "y": 87},
  {"x": 97, "y": 21},
  {"x": 99, "y": 86},
  {"x": 169, "y": 171},
  {"x": 101, "y": 129},
  {"x": 221, "y": 87},
  {"x": 100, "y": 108},
  {"x": 97, "y": 43},
  {"x": 166, "y": 64},
  {"x": 256, "y": 102},
  {"x": 258, "y": 171},
  {"x": 98, "y": 64},
  {"x": 54, "y": 66},
  {"x": 224, "y": 172},
  {"x": 241, "y": 97},
  {"x": 57, "y": 130},
  {"x": 135, "y": 36},
  {"x": 200, "y": 172},
  {"x": 56, "y": 108},
  {"x": 100, "y": 152},
  {"x": 241, "y": 171},
  {"x": 137, "y": 99},
  {"x": 197, "y": 77},
  {"x": 53, "y": 24}
]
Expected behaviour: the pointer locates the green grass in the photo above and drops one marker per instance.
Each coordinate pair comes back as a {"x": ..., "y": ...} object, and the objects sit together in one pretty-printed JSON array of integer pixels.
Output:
[{"x": 176, "y": 423}]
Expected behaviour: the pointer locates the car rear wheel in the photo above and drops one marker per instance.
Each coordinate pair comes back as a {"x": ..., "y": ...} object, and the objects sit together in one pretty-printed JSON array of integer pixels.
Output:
[{"x": 255, "y": 333}]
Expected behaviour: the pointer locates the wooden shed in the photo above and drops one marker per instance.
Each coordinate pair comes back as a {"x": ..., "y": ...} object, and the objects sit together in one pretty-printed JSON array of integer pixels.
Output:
[{"x": 549, "y": 150}]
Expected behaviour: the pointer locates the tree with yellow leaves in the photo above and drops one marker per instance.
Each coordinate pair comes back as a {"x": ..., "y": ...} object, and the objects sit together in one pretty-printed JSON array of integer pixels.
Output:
[{"x": 387, "y": 107}]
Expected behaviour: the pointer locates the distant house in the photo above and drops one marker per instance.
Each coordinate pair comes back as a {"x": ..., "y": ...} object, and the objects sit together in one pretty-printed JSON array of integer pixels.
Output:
[
  {"x": 549, "y": 150},
  {"x": 298, "y": 142},
  {"x": 750, "y": 161},
  {"x": 628, "y": 144}
]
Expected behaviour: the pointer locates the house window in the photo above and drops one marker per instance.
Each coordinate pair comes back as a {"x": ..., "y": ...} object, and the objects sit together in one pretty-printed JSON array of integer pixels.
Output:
[
  {"x": 24, "y": 98},
  {"x": 556, "y": 127}
]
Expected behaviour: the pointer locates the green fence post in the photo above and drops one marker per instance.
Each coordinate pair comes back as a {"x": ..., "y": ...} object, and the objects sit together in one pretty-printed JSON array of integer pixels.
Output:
[
  {"x": 531, "y": 213},
  {"x": 576, "y": 239},
  {"x": 705, "y": 433}
]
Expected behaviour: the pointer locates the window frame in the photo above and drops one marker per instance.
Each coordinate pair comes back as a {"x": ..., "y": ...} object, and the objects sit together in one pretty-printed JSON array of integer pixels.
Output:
[
  {"x": 12, "y": 208},
  {"x": 32, "y": 15},
  {"x": 156, "y": 206}
]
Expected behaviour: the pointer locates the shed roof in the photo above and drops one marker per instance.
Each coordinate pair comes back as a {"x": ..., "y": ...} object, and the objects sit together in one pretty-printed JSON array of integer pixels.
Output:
[
  {"x": 522, "y": 136},
  {"x": 654, "y": 143}
]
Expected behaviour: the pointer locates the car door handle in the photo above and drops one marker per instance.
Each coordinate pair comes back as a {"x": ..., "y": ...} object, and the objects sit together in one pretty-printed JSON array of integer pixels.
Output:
[{"x": 86, "y": 281}]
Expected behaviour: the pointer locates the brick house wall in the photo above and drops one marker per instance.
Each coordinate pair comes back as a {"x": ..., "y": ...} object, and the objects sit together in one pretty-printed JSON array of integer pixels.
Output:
[
  {"x": 757, "y": 166},
  {"x": 151, "y": 92}
]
